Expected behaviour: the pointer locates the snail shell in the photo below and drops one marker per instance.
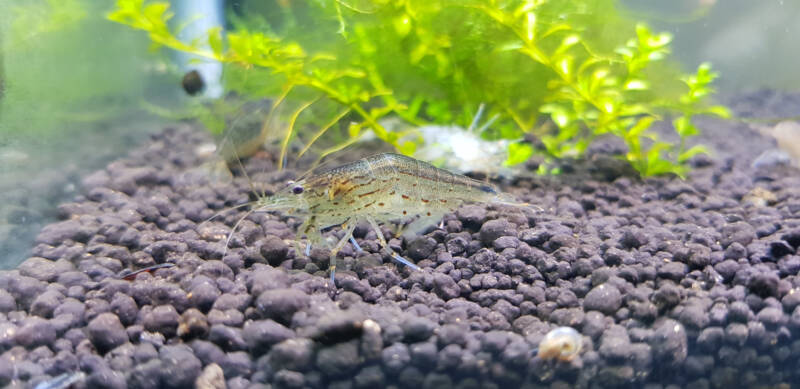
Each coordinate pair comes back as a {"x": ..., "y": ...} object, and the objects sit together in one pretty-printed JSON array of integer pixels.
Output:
[{"x": 562, "y": 343}]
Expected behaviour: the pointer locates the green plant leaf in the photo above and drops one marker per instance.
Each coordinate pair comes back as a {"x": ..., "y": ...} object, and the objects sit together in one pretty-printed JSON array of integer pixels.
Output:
[
  {"x": 641, "y": 126},
  {"x": 407, "y": 148},
  {"x": 684, "y": 127},
  {"x": 518, "y": 153},
  {"x": 720, "y": 111},
  {"x": 402, "y": 25},
  {"x": 636, "y": 84},
  {"x": 215, "y": 40},
  {"x": 435, "y": 61},
  {"x": 691, "y": 152}
]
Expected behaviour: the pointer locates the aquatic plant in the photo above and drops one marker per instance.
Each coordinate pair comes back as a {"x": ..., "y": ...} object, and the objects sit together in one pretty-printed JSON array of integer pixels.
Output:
[{"x": 565, "y": 71}]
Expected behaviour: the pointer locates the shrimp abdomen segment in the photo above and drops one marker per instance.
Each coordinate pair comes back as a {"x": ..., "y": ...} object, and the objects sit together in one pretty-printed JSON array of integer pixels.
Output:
[
  {"x": 390, "y": 183},
  {"x": 416, "y": 187}
]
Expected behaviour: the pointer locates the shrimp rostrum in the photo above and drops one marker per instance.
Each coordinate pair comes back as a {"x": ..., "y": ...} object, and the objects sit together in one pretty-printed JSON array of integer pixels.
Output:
[{"x": 376, "y": 189}]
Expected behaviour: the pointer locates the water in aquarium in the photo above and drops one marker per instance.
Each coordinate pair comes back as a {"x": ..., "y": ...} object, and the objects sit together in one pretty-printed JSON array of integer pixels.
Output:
[{"x": 399, "y": 194}]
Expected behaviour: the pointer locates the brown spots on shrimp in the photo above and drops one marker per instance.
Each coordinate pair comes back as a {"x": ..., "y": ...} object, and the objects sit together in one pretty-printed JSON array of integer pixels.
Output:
[
  {"x": 340, "y": 188},
  {"x": 311, "y": 225},
  {"x": 369, "y": 193}
]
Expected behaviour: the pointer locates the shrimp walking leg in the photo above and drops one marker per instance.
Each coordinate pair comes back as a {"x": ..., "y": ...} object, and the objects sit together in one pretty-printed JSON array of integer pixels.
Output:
[
  {"x": 313, "y": 236},
  {"x": 347, "y": 235},
  {"x": 352, "y": 241},
  {"x": 382, "y": 239},
  {"x": 355, "y": 244}
]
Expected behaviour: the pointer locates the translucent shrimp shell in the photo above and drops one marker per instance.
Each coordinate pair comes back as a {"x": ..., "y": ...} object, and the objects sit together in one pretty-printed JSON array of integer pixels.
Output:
[
  {"x": 377, "y": 189},
  {"x": 562, "y": 343},
  {"x": 381, "y": 187}
]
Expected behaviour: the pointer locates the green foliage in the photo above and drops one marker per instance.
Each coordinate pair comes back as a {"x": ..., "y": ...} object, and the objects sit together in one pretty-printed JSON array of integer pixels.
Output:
[
  {"x": 38, "y": 18},
  {"x": 353, "y": 63}
]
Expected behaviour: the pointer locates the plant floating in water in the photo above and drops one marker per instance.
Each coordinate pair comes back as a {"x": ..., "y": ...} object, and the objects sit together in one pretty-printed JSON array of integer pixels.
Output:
[{"x": 436, "y": 62}]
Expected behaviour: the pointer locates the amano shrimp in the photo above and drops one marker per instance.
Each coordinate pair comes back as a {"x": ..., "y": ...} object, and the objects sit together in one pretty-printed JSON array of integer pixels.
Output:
[{"x": 376, "y": 189}]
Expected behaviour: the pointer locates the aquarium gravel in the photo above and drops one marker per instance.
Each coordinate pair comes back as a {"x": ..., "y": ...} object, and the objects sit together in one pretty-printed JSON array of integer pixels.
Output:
[{"x": 671, "y": 283}]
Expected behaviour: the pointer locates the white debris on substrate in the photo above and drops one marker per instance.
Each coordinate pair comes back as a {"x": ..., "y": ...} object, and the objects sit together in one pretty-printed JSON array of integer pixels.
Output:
[
  {"x": 462, "y": 150},
  {"x": 787, "y": 137}
]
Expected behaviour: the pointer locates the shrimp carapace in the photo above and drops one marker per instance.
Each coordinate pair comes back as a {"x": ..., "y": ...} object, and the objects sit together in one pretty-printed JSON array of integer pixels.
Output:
[{"x": 377, "y": 189}]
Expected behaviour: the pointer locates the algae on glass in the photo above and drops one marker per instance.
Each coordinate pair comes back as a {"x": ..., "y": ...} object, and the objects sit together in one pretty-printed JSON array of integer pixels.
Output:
[
  {"x": 64, "y": 64},
  {"x": 71, "y": 83},
  {"x": 566, "y": 72}
]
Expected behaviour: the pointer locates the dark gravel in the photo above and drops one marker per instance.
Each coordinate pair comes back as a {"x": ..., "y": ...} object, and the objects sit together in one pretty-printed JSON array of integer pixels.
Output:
[{"x": 671, "y": 283}]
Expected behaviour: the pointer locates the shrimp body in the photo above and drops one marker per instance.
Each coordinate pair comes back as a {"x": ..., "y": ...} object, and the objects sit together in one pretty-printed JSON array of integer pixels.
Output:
[{"x": 377, "y": 189}]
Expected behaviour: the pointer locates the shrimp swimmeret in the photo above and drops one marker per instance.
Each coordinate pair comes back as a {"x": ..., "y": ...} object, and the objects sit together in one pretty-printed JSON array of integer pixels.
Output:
[{"x": 376, "y": 189}]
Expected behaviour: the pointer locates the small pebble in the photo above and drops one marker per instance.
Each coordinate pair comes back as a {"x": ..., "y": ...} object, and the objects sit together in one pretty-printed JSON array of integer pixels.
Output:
[
  {"x": 604, "y": 298},
  {"x": 35, "y": 332},
  {"x": 293, "y": 354},
  {"x": 106, "y": 332},
  {"x": 181, "y": 368},
  {"x": 261, "y": 335},
  {"x": 338, "y": 360},
  {"x": 281, "y": 304},
  {"x": 212, "y": 377},
  {"x": 163, "y": 319}
]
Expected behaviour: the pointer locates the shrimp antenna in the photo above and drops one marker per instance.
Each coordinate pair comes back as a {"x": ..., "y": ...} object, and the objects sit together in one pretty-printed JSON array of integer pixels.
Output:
[
  {"x": 233, "y": 230},
  {"x": 253, "y": 190},
  {"x": 248, "y": 213},
  {"x": 241, "y": 219},
  {"x": 226, "y": 209},
  {"x": 488, "y": 123},
  {"x": 477, "y": 118},
  {"x": 240, "y": 117},
  {"x": 247, "y": 176}
]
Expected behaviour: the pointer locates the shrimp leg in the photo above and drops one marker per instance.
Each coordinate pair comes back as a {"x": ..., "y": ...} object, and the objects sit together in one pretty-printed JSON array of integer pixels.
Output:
[
  {"x": 382, "y": 239},
  {"x": 347, "y": 235},
  {"x": 355, "y": 244},
  {"x": 352, "y": 241},
  {"x": 313, "y": 236}
]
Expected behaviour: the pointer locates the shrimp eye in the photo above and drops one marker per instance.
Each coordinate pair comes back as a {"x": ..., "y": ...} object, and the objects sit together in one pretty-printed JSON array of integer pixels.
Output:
[{"x": 297, "y": 189}]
